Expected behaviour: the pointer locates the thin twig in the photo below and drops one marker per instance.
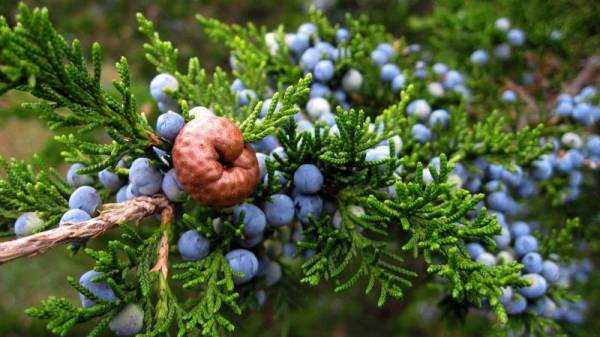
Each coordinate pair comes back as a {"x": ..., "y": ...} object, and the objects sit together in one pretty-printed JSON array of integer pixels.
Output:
[
  {"x": 585, "y": 76},
  {"x": 111, "y": 215},
  {"x": 162, "y": 261}
]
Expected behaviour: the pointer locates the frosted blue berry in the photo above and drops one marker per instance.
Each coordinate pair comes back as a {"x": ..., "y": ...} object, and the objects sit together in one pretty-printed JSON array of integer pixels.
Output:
[
  {"x": 146, "y": 179},
  {"x": 479, "y": 57},
  {"x": 352, "y": 80},
  {"x": 193, "y": 246},
  {"x": 440, "y": 118},
  {"x": 501, "y": 201},
  {"x": 327, "y": 49},
  {"x": 306, "y": 206},
  {"x": 452, "y": 79},
  {"x": 128, "y": 321},
  {"x": 308, "y": 29},
  {"x": 419, "y": 108},
  {"x": 398, "y": 83},
  {"x": 537, "y": 287},
  {"x": 389, "y": 71},
  {"x": 593, "y": 145},
  {"x": 27, "y": 223},
  {"x": 502, "y": 51},
  {"x": 583, "y": 113},
  {"x": 99, "y": 289},
  {"x": 520, "y": 228},
  {"x": 378, "y": 153},
  {"x": 279, "y": 210},
  {"x": 507, "y": 295},
  {"x": 244, "y": 265},
  {"x": 75, "y": 179},
  {"x": 532, "y": 262},
  {"x": 122, "y": 194},
  {"x": 516, "y": 37},
  {"x": 272, "y": 273},
  {"x": 161, "y": 84},
  {"x": 266, "y": 144},
  {"x": 439, "y": 68},
  {"x": 503, "y": 239},
  {"x": 525, "y": 244},
  {"x": 245, "y": 96},
  {"x": 342, "y": 35},
  {"x": 512, "y": 177},
  {"x": 85, "y": 198},
  {"x": 421, "y": 133},
  {"x": 171, "y": 187},
  {"x": 545, "y": 307},
  {"x": 379, "y": 57},
  {"x": 237, "y": 85},
  {"x": 516, "y": 305},
  {"x": 317, "y": 106},
  {"x": 550, "y": 271},
  {"x": 298, "y": 43},
  {"x": 254, "y": 219},
  {"x": 319, "y": 90},
  {"x": 169, "y": 124},
  {"x": 74, "y": 216},
  {"x": 324, "y": 70},
  {"x": 564, "y": 109},
  {"x": 310, "y": 58},
  {"x": 308, "y": 179},
  {"x": 509, "y": 96},
  {"x": 487, "y": 259},
  {"x": 502, "y": 24},
  {"x": 542, "y": 168},
  {"x": 386, "y": 48},
  {"x": 109, "y": 180}
]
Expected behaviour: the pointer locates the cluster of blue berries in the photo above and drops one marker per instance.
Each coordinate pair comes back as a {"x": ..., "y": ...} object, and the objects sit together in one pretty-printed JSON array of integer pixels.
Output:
[{"x": 514, "y": 37}]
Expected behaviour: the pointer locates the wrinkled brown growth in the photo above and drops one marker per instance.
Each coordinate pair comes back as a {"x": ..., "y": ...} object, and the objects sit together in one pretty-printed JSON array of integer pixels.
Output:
[{"x": 212, "y": 163}]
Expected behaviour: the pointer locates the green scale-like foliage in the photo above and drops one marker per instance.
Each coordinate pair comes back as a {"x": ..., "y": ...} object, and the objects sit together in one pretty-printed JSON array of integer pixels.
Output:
[{"x": 387, "y": 214}]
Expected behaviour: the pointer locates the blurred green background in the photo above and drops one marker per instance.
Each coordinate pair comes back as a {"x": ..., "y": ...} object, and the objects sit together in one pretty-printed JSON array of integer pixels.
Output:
[{"x": 313, "y": 312}]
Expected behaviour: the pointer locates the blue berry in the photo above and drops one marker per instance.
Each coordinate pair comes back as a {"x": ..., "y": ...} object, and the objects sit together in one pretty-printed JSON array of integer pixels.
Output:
[
  {"x": 502, "y": 51},
  {"x": 27, "y": 223},
  {"x": 479, "y": 57},
  {"x": 502, "y": 24},
  {"x": 421, "y": 133},
  {"x": 398, "y": 83},
  {"x": 532, "y": 262},
  {"x": 593, "y": 145},
  {"x": 254, "y": 219},
  {"x": 237, "y": 85},
  {"x": 279, "y": 210},
  {"x": 169, "y": 124},
  {"x": 308, "y": 179},
  {"x": 85, "y": 198},
  {"x": 542, "y": 168},
  {"x": 378, "y": 153},
  {"x": 171, "y": 187},
  {"x": 545, "y": 307},
  {"x": 308, "y": 205},
  {"x": 537, "y": 287},
  {"x": 266, "y": 144},
  {"x": 272, "y": 273},
  {"x": 324, "y": 70},
  {"x": 419, "y": 108},
  {"x": 503, "y": 239},
  {"x": 507, "y": 294},
  {"x": 317, "y": 106},
  {"x": 109, "y": 180},
  {"x": 440, "y": 68},
  {"x": 74, "y": 179},
  {"x": 310, "y": 58},
  {"x": 386, "y": 48},
  {"x": 379, "y": 57},
  {"x": 516, "y": 305},
  {"x": 564, "y": 109},
  {"x": 74, "y": 215},
  {"x": 342, "y": 35},
  {"x": 319, "y": 90},
  {"x": 509, "y": 96},
  {"x": 122, "y": 194},
  {"x": 161, "y": 84},
  {"x": 146, "y": 179},
  {"x": 199, "y": 111},
  {"x": 246, "y": 96},
  {"x": 299, "y": 43},
  {"x": 452, "y": 79},
  {"x": 526, "y": 244},
  {"x": 128, "y": 321},
  {"x": 193, "y": 246},
  {"x": 244, "y": 265},
  {"x": 501, "y": 201},
  {"x": 550, "y": 271},
  {"x": 99, "y": 289},
  {"x": 251, "y": 241},
  {"x": 308, "y": 29},
  {"x": 440, "y": 118},
  {"x": 352, "y": 80},
  {"x": 520, "y": 228},
  {"x": 516, "y": 37},
  {"x": 389, "y": 72},
  {"x": 487, "y": 259}
]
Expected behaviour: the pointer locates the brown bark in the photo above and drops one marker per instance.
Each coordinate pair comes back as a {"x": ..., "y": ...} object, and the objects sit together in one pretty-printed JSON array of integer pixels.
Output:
[{"x": 111, "y": 215}]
